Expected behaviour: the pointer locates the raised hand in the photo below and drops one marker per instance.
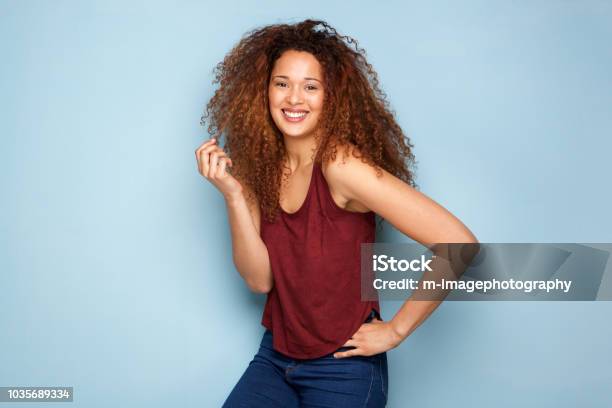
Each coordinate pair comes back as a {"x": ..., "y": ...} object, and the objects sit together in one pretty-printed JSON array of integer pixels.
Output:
[{"x": 212, "y": 165}]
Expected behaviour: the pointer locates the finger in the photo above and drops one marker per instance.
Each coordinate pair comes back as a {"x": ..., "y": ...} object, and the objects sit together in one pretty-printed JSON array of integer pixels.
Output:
[
  {"x": 348, "y": 353},
  {"x": 209, "y": 149},
  {"x": 205, "y": 160},
  {"x": 204, "y": 145},
  {"x": 230, "y": 165},
  {"x": 212, "y": 140},
  {"x": 214, "y": 162},
  {"x": 203, "y": 163},
  {"x": 216, "y": 171},
  {"x": 350, "y": 343},
  {"x": 221, "y": 169}
]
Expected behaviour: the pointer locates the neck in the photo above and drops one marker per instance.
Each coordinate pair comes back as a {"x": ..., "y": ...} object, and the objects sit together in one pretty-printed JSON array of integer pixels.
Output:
[{"x": 300, "y": 151}]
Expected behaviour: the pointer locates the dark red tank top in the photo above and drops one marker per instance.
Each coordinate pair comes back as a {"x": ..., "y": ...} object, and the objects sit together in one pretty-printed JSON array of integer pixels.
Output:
[{"x": 315, "y": 305}]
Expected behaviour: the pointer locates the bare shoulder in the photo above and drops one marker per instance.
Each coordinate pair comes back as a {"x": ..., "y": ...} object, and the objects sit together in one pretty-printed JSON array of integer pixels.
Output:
[
  {"x": 410, "y": 211},
  {"x": 345, "y": 173},
  {"x": 347, "y": 170}
]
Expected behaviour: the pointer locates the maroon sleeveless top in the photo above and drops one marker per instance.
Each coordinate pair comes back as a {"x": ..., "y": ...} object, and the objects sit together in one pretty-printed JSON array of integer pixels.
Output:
[{"x": 315, "y": 304}]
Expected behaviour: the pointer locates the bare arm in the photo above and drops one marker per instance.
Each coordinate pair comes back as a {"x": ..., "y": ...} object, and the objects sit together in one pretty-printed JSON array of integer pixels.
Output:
[
  {"x": 250, "y": 254},
  {"x": 415, "y": 215}
]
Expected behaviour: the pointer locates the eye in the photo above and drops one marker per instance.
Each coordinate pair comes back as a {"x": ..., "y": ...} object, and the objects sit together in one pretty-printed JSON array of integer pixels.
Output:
[
  {"x": 281, "y": 84},
  {"x": 311, "y": 87}
]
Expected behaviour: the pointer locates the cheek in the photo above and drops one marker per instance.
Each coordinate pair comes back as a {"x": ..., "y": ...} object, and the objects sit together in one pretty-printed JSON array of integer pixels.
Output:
[
  {"x": 316, "y": 105},
  {"x": 273, "y": 97},
  {"x": 273, "y": 104},
  {"x": 316, "y": 102}
]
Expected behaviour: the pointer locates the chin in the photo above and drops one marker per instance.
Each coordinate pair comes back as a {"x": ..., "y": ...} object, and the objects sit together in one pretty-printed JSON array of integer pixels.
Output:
[{"x": 295, "y": 132}]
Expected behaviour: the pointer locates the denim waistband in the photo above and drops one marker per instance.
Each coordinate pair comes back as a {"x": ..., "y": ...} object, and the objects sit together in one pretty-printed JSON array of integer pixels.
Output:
[
  {"x": 267, "y": 337},
  {"x": 372, "y": 315}
]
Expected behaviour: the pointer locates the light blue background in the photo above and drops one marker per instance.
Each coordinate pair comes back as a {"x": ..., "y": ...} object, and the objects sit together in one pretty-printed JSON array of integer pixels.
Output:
[{"x": 115, "y": 266}]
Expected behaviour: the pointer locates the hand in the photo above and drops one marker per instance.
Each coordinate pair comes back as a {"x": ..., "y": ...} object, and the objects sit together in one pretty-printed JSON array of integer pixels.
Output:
[
  {"x": 371, "y": 338},
  {"x": 212, "y": 162}
]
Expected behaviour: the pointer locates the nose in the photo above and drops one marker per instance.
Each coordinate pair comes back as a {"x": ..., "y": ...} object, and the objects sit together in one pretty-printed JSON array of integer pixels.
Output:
[{"x": 295, "y": 96}]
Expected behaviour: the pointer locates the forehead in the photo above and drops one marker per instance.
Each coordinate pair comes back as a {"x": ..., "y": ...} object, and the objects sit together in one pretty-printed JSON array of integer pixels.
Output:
[{"x": 297, "y": 64}]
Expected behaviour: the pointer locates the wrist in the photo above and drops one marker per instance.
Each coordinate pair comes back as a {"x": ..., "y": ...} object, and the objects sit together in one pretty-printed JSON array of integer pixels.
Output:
[
  {"x": 233, "y": 197},
  {"x": 400, "y": 330}
]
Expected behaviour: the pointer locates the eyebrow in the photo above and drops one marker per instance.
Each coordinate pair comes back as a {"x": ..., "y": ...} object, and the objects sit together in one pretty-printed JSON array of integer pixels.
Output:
[{"x": 306, "y": 78}]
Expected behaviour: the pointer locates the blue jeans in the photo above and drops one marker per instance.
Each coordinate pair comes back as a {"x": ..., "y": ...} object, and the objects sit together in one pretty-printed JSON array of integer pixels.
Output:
[{"x": 275, "y": 380}]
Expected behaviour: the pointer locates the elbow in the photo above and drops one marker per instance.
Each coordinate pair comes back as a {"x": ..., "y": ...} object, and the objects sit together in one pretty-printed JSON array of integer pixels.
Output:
[
  {"x": 259, "y": 287},
  {"x": 471, "y": 240},
  {"x": 467, "y": 237},
  {"x": 470, "y": 245},
  {"x": 257, "y": 279},
  {"x": 469, "y": 248},
  {"x": 260, "y": 284}
]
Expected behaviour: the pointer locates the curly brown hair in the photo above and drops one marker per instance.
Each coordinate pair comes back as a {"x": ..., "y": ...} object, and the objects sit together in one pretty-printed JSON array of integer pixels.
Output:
[{"x": 355, "y": 112}]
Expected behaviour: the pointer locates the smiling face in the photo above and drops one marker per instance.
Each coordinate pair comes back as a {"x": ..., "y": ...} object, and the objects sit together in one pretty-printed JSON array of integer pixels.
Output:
[{"x": 296, "y": 93}]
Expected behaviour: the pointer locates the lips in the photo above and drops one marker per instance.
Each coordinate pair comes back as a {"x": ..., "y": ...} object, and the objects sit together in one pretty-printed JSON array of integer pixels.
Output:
[{"x": 294, "y": 115}]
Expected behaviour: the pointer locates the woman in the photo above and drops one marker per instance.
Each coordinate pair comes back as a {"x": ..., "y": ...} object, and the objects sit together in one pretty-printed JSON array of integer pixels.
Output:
[{"x": 315, "y": 154}]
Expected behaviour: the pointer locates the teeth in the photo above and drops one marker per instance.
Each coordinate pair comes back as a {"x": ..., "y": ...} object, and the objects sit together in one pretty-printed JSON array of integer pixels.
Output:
[{"x": 294, "y": 114}]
